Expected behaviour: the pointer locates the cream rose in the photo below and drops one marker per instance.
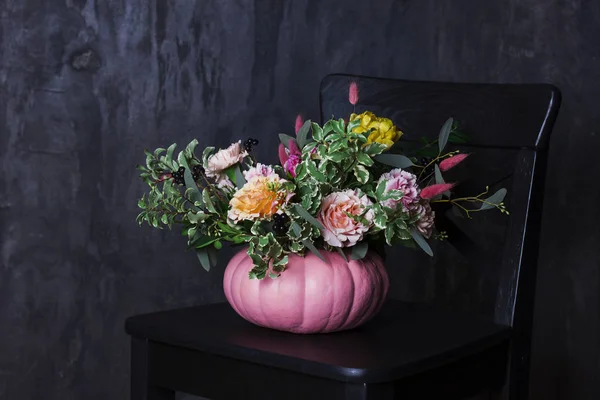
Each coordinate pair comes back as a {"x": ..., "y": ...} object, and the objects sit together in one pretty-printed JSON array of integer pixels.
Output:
[{"x": 340, "y": 229}]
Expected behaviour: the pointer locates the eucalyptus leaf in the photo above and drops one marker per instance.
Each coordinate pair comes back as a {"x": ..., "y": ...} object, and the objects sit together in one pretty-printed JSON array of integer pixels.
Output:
[
  {"x": 440, "y": 179},
  {"x": 438, "y": 175},
  {"x": 394, "y": 160},
  {"x": 341, "y": 251},
  {"x": 445, "y": 134},
  {"x": 296, "y": 229},
  {"x": 212, "y": 256},
  {"x": 309, "y": 245},
  {"x": 307, "y": 217},
  {"x": 494, "y": 199},
  {"x": 420, "y": 240},
  {"x": 204, "y": 258},
  {"x": 239, "y": 177},
  {"x": 359, "y": 250},
  {"x": 285, "y": 139},
  {"x": 302, "y": 135}
]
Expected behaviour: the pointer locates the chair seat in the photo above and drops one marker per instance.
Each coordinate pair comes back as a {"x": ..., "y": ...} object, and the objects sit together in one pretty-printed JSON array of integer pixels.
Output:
[{"x": 404, "y": 339}]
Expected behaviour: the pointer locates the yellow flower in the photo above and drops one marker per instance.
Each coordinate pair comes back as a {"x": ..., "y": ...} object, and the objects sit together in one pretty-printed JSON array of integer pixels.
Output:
[
  {"x": 383, "y": 129},
  {"x": 260, "y": 197}
]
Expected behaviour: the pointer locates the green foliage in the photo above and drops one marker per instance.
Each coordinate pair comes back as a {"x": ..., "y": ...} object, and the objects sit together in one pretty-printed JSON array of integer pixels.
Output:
[
  {"x": 445, "y": 134},
  {"x": 333, "y": 159}
]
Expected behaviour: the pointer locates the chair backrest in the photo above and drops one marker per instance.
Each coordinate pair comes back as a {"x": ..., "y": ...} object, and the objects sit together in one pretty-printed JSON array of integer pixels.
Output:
[{"x": 488, "y": 264}]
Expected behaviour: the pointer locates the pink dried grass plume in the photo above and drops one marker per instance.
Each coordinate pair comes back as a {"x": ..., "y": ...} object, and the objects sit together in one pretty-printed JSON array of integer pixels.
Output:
[
  {"x": 283, "y": 156},
  {"x": 299, "y": 123},
  {"x": 353, "y": 93},
  {"x": 431, "y": 191},
  {"x": 452, "y": 162}
]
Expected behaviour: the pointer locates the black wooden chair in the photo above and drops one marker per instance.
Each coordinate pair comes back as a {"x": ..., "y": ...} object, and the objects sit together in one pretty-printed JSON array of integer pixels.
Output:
[{"x": 458, "y": 325}]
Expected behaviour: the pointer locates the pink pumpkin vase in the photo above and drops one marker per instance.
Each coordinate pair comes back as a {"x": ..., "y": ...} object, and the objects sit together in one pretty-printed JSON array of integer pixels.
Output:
[{"x": 310, "y": 296}]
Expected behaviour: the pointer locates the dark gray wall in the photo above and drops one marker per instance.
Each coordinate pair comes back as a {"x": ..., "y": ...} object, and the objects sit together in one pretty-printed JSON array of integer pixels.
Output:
[{"x": 86, "y": 85}]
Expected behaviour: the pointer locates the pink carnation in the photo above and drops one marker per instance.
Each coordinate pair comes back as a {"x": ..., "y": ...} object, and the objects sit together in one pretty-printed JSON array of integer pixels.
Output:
[
  {"x": 452, "y": 162},
  {"x": 426, "y": 220},
  {"x": 406, "y": 182},
  {"x": 259, "y": 170},
  {"x": 340, "y": 229},
  {"x": 223, "y": 159}
]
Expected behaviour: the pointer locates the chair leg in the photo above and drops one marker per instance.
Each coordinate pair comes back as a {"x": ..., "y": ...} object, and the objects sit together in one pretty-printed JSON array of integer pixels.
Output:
[
  {"x": 364, "y": 391},
  {"x": 141, "y": 387}
]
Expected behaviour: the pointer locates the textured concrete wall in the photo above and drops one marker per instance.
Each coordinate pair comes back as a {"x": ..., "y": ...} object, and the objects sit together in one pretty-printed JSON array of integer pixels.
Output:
[{"x": 86, "y": 85}]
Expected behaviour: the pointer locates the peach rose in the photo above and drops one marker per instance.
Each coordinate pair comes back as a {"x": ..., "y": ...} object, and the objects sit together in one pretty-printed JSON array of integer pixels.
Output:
[
  {"x": 340, "y": 229},
  {"x": 260, "y": 197}
]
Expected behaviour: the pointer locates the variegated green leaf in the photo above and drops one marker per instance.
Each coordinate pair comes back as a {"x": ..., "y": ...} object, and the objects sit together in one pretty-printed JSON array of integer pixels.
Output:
[
  {"x": 317, "y": 131},
  {"x": 361, "y": 174},
  {"x": 364, "y": 159}
]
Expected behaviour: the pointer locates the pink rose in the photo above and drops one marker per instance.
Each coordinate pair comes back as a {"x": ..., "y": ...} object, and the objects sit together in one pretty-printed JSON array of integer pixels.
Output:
[
  {"x": 406, "y": 182},
  {"x": 340, "y": 229}
]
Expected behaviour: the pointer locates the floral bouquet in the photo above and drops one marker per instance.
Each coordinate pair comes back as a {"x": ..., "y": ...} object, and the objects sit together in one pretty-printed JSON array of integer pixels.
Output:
[{"x": 340, "y": 187}]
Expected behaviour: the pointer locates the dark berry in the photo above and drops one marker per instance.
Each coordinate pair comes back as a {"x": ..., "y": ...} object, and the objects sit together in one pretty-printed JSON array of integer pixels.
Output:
[
  {"x": 279, "y": 228},
  {"x": 249, "y": 143},
  {"x": 181, "y": 170}
]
